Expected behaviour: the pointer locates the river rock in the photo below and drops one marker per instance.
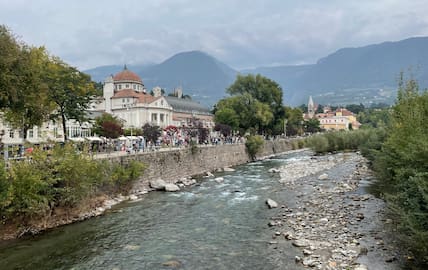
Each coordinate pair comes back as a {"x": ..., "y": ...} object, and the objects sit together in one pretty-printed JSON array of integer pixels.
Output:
[
  {"x": 274, "y": 170},
  {"x": 158, "y": 184},
  {"x": 271, "y": 203},
  {"x": 323, "y": 176},
  {"x": 301, "y": 243},
  {"x": 133, "y": 197},
  {"x": 219, "y": 179},
  {"x": 208, "y": 174},
  {"x": 227, "y": 169},
  {"x": 171, "y": 188}
]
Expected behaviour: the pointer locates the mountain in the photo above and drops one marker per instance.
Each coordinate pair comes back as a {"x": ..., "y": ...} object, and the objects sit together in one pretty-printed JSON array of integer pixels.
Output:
[
  {"x": 199, "y": 74},
  {"x": 350, "y": 75},
  {"x": 353, "y": 75}
]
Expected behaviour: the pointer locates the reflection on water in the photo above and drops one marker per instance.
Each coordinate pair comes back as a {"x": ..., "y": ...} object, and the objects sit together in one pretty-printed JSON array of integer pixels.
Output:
[{"x": 211, "y": 226}]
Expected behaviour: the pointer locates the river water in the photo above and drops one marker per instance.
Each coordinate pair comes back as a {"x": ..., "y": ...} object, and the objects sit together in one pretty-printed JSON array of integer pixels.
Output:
[{"x": 208, "y": 226}]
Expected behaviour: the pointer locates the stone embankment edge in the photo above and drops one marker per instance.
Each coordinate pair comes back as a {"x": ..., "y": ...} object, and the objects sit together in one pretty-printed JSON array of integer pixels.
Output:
[{"x": 171, "y": 166}]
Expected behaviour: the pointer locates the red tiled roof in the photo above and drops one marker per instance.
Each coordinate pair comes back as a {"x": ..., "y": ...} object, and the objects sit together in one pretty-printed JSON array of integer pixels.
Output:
[
  {"x": 127, "y": 75},
  {"x": 345, "y": 112},
  {"x": 142, "y": 97}
]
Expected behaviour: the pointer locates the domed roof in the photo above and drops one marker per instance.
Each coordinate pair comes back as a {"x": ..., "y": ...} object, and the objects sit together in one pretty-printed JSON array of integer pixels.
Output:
[{"x": 127, "y": 75}]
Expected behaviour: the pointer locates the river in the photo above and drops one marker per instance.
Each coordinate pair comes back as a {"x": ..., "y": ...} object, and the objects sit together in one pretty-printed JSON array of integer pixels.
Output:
[{"x": 207, "y": 226}]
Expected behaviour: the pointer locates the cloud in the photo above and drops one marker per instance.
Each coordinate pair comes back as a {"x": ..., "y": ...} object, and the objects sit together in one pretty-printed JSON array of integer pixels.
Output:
[{"x": 241, "y": 33}]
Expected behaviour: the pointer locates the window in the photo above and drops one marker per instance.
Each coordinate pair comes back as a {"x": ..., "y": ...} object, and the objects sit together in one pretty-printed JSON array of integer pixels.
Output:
[
  {"x": 127, "y": 86},
  {"x": 11, "y": 134},
  {"x": 120, "y": 86},
  {"x": 123, "y": 100},
  {"x": 161, "y": 102},
  {"x": 161, "y": 117},
  {"x": 134, "y": 86},
  {"x": 30, "y": 133}
]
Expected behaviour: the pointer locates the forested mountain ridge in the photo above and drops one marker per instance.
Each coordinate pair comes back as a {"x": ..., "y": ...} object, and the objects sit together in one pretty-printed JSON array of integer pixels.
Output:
[{"x": 349, "y": 75}]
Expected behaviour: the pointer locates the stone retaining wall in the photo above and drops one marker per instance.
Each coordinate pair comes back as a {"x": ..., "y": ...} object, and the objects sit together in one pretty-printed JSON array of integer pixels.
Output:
[{"x": 177, "y": 163}]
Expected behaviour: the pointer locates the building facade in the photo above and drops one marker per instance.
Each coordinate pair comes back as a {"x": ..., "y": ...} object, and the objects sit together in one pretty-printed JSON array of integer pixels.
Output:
[
  {"x": 340, "y": 119},
  {"x": 125, "y": 96}
]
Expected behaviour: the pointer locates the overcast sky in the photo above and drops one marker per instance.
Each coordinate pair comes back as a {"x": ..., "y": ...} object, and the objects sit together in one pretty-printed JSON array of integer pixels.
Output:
[{"x": 241, "y": 33}]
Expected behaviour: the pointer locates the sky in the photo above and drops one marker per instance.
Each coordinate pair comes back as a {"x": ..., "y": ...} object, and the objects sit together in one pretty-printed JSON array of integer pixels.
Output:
[{"x": 240, "y": 33}]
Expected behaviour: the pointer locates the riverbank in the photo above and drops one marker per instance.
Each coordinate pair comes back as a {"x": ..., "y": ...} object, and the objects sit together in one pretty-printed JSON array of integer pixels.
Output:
[
  {"x": 174, "y": 166},
  {"x": 327, "y": 214}
]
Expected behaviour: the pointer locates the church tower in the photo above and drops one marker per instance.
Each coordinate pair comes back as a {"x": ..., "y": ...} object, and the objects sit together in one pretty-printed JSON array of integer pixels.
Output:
[{"x": 108, "y": 92}]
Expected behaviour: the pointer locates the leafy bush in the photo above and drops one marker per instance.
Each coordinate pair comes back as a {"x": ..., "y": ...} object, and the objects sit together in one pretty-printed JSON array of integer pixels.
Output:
[
  {"x": 61, "y": 177},
  {"x": 366, "y": 140},
  {"x": 402, "y": 169},
  {"x": 253, "y": 145}
]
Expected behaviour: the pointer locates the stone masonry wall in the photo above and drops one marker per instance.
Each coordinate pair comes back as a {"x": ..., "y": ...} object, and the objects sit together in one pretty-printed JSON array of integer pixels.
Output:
[{"x": 175, "y": 164}]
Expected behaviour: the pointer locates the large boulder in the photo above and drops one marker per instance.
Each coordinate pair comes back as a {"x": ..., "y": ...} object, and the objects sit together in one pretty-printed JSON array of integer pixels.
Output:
[
  {"x": 171, "y": 188},
  {"x": 158, "y": 184}
]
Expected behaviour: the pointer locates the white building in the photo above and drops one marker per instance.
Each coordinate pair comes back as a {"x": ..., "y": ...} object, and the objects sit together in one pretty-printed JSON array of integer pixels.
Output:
[{"x": 125, "y": 96}]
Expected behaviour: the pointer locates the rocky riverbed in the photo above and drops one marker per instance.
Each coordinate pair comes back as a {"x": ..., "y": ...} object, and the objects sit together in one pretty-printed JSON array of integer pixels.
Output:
[{"x": 326, "y": 213}]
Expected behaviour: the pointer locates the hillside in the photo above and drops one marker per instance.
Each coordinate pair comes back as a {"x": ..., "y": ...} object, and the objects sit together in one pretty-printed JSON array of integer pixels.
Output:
[
  {"x": 354, "y": 75},
  {"x": 350, "y": 75},
  {"x": 199, "y": 74}
]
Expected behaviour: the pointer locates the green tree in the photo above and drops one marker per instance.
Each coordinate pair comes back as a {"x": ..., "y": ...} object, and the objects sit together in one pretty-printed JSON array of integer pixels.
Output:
[
  {"x": 401, "y": 167},
  {"x": 70, "y": 90},
  {"x": 269, "y": 116},
  {"x": 32, "y": 108},
  {"x": 312, "y": 125},
  {"x": 9, "y": 61},
  {"x": 355, "y": 108},
  {"x": 294, "y": 121},
  {"x": 108, "y": 125}
]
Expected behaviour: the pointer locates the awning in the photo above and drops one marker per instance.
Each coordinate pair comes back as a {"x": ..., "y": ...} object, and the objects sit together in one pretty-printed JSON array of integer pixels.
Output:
[
  {"x": 94, "y": 139},
  {"x": 77, "y": 139},
  {"x": 122, "y": 138}
]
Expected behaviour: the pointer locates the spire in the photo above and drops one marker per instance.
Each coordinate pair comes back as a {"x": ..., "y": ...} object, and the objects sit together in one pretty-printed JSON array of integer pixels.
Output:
[{"x": 125, "y": 68}]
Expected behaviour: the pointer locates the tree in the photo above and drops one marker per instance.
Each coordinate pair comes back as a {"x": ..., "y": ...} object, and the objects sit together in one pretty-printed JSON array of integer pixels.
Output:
[
  {"x": 108, "y": 125},
  {"x": 70, "y": 90},
  {"x": 294, "y": 121},
  {"x": 269, "y": 117},
  {"x": 355, "y": 108},
  {"x": 32, "y": 107},
  {"x": 9, "y": 60},
  {"x": 151, "y": 133},
  {"x": 401, "y": 167},
  {"x": 227, "y": 116},
  {"x": 224, "y": 129},
  {"x": 255, "y": 106},
  {"x": 312, "y": 125}
]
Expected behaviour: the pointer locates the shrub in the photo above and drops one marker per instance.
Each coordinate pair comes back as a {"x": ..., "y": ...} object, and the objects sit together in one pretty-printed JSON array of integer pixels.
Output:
[
  {"x": 61, "y": 177},
  {"x": 254, "y": 144}
]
